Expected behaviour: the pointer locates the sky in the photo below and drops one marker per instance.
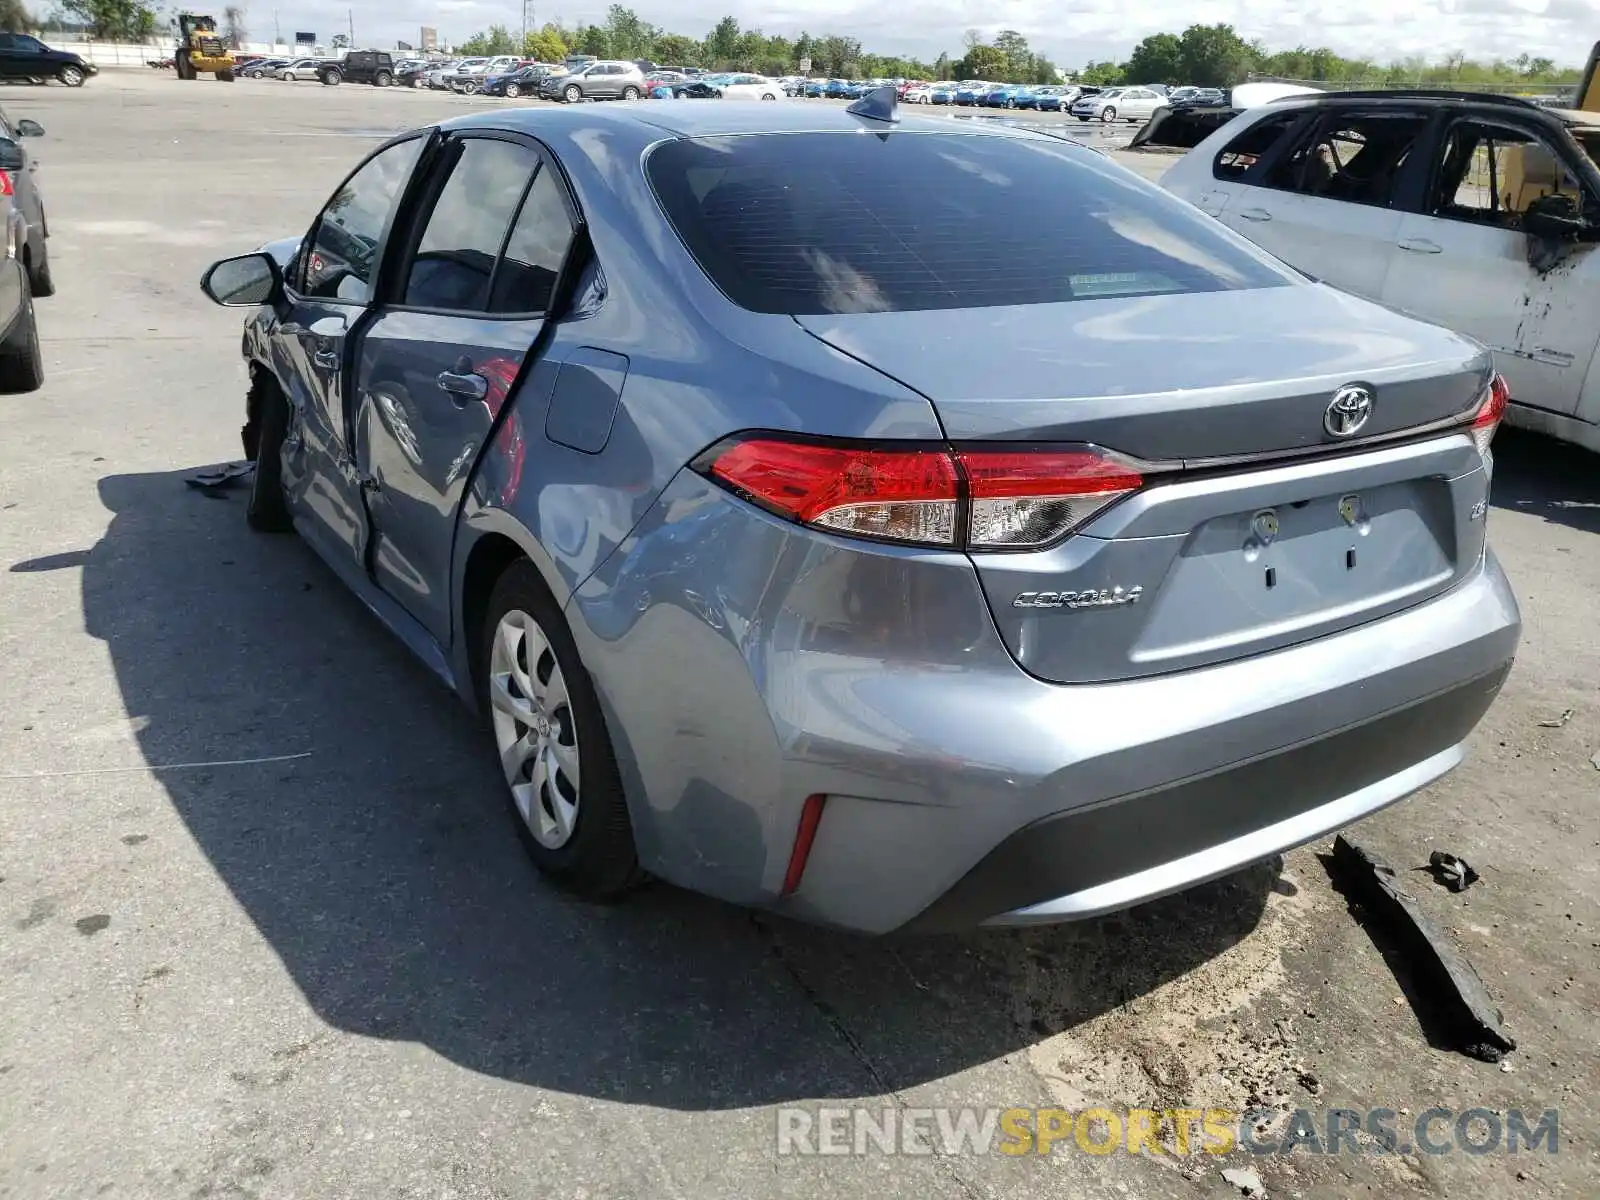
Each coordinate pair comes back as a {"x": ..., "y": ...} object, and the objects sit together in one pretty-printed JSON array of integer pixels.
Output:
[{"x": 1071, "y": 32}]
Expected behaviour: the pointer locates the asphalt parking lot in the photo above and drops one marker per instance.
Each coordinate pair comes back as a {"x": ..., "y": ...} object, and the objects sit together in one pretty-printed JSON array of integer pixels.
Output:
[{"x": 265, "y": 931}]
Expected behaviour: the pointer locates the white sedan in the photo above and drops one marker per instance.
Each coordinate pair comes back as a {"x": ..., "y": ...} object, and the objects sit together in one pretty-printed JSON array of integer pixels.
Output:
[
  {"x": 301, "y": 69},
  {"x": 1119, "y": 104},
  {"x": 751, "y": 87}
]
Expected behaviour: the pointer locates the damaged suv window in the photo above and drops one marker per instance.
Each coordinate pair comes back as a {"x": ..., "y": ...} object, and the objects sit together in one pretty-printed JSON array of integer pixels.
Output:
[
  {"x": 1489, "y": 175},
  {"x": 1252, "y": 145},
  {"x": 1357, "y": 158}
]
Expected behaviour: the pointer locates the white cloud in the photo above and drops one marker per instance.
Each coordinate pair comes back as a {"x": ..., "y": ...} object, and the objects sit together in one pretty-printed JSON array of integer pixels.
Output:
[{"x": 1071, "y": 33}]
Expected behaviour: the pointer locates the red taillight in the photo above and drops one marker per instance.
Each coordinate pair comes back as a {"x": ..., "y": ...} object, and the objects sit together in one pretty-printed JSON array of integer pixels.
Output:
[
  {"x": 978, "y": 498},
  {"x": 1028, "y": 498},
  {"x": 1490, "y": 410},
  {"x": 6, "y": 188},
  {"x": 810, "y": 818},
  {"x": 903, "y": 495}
]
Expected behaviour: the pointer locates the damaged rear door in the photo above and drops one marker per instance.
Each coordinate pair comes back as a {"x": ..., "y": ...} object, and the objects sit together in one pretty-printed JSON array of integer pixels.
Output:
[{"x": 1463, "y": 260}]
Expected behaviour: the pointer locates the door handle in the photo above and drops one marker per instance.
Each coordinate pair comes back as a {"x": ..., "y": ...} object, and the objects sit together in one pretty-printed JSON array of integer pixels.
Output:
[
  {"x": 1421, "y": 246},
  {"x": 463, "y": 385},
  {"x": 325, "y": 358},
  {"x": 1255, "y": 214}
]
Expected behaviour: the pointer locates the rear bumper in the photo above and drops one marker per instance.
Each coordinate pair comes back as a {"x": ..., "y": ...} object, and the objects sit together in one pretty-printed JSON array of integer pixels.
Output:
[{"x": 1099, "y": 797}]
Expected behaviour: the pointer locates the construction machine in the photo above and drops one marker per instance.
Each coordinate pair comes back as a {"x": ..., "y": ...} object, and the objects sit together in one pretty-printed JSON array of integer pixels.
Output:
[{"x": 200, "y": 50}]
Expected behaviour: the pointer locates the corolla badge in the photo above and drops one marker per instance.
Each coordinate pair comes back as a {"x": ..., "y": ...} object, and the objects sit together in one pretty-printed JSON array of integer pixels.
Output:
[
  {"x": 1089, "y": 598},
  {"x": 1348, "y": 411}
]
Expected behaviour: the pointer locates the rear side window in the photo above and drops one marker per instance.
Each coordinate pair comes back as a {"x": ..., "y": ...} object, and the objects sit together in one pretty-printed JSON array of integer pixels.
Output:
[
  {"x": 1254, "y": 144},
  {"x": 858, "y": 222}
]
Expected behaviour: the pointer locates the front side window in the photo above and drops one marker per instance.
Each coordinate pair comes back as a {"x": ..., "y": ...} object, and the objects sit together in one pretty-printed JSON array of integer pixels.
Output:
[
  {"x": 342, "y": 259},
  {"x": 1489, "y": 175},
  {"x": 1356, "y": 158},
  {"x": 813, "y": 223},
  {"x": 455, "y": 257}
]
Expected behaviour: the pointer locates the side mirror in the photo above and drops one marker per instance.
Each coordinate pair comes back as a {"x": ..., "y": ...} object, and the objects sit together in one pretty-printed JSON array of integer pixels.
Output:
[
  {"x": 11, "y": 157},
  {"x": 1554, "y": 217},
  {"x": 29, "y": 128},
  {"x": 243, "y": 282}
]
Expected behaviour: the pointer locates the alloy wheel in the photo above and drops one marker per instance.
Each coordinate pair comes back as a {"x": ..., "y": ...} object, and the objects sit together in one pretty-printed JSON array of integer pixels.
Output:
[{"x": 534, "y": 728}]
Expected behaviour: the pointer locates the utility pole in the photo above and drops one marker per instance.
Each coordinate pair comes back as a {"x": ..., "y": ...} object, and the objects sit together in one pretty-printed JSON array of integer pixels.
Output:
[
  {"x": 351, "y": 13},
  {"x": 277, "y": 31}
]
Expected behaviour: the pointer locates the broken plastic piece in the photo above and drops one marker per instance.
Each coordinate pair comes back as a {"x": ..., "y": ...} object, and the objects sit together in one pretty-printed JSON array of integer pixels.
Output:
[
  {"x": 213, "y": 480},
  {"x": 1458, "y": 1004},
  {"x": 877, "y": 105},
  {"x": 1455, "y": 873}
]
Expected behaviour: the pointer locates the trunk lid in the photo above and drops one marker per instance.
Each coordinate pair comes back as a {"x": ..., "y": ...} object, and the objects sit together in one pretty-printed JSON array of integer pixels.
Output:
[{"x": 1228, "y": 559}]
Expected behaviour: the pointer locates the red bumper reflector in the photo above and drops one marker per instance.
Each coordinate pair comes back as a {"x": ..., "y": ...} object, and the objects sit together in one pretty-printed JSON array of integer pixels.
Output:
[{"x": 810, "y": 818}]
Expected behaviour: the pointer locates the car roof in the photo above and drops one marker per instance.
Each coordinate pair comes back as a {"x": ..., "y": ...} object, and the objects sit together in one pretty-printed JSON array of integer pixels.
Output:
[
  {"x": 1435, "y": 98},
  {"x": 709, "y": 120}
]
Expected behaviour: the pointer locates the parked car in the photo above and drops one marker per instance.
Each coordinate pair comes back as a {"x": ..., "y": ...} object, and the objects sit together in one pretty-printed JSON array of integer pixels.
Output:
[
  {"x": 25, "y": 271},
  {"x": 436, "y": 75},
  {"x": 1051, "y": 99},
  {"x": 689, "y": 89},
  {"x": 970, "y": 95},
  {"x": 918, "y": 93},
  {"x": 750, "y": 87},
  {"x": 1118, "y": 104},
  {"x": 522, "y": 82},
  {"x": 600, "y": 80},
  {"x": 375, "y": 67},
  {"x": 835, "y": 593},
  {"x": 23, "y": 56},
  {"x": 301, "y": 70},
  {"x": 260, "y": 67},
  {"x": 944, "y": 93},
  {"x": 1010, "y": 96},
  {"x": 1475, "y": 212}
]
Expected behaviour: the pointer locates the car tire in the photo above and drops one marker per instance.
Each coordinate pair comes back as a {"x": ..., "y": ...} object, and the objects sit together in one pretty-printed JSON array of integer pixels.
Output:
[
  {"x": 382, "y": 79},
  {"x": 572, "y": 93},
  {"x": 266, "y": 511},
  {"x": 419, "y": 81},
  {"x": 39, "y": 280},
  {"x": 21, "y": 360},
  {"x": 71, "y": 76},
  {"x": 1108, "y": 114},
  {"x": 576, "y": 831},
  {"x": 331, "y": 79},
  {"x": 512, "y": 91},
  {"x": 630, "y": 92}
]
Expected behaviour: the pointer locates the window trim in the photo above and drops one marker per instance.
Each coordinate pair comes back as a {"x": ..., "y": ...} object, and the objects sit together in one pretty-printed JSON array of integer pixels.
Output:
[
  {"x": 1490, "y": 121},
  {"x": 421, "y": 210},
  {"x": 294, "y": 281}
]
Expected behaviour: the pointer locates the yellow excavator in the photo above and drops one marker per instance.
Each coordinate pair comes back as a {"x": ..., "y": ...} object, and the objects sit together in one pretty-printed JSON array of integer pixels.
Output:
[{"x": 200, "y": 51}]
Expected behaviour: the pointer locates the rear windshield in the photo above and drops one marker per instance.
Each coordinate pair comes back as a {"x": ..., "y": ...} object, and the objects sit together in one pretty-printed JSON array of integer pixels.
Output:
[{"x": 852, "y": 222}]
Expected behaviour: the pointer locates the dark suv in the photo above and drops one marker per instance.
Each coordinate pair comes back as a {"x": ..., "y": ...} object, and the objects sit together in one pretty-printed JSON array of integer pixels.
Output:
[
  {"x": 26, "y": 57},
  {"x": 362, "y": 66}
]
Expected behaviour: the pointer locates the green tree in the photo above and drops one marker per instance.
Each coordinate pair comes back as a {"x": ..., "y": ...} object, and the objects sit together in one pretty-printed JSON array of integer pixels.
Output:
[
  {"x": 113, "y": 20},
  {"x": 233, "y": 27},
  {"x": 1019, "y": 57},
  {"x": 592, "y": 39},
  {"x": 1157, "y": 59},
  {"x": 1215, "y": 56},
  {"x": 340, "y": 41},
  {"x": 676, "y": 49},
  {"x": 722, "y": 43},
  {"x": 627, "y": 34},
  {"x": 1044, "y": 71},
  {"x": 836, "y": 56},
  {"x": 545, "y": 45},
  {"x": 943, "y": 67},
  {"x": 984, "y": 62},
  {"x": 1100, "y": 74}
]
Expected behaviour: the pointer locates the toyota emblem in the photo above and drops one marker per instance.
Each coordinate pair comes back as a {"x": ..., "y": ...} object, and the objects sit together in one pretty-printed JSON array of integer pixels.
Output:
[{"x": 1348, "y": 411}]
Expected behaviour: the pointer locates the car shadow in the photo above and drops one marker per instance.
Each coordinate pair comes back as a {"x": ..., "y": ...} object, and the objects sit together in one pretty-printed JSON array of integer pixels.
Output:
[
  {"x": 1554, "y": 480},
  {"x": 351, "y": 806}
]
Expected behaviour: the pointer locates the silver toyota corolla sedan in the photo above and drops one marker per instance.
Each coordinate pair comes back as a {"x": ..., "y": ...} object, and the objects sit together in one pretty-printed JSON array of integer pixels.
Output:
[{"x": 889, "y": 565}]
